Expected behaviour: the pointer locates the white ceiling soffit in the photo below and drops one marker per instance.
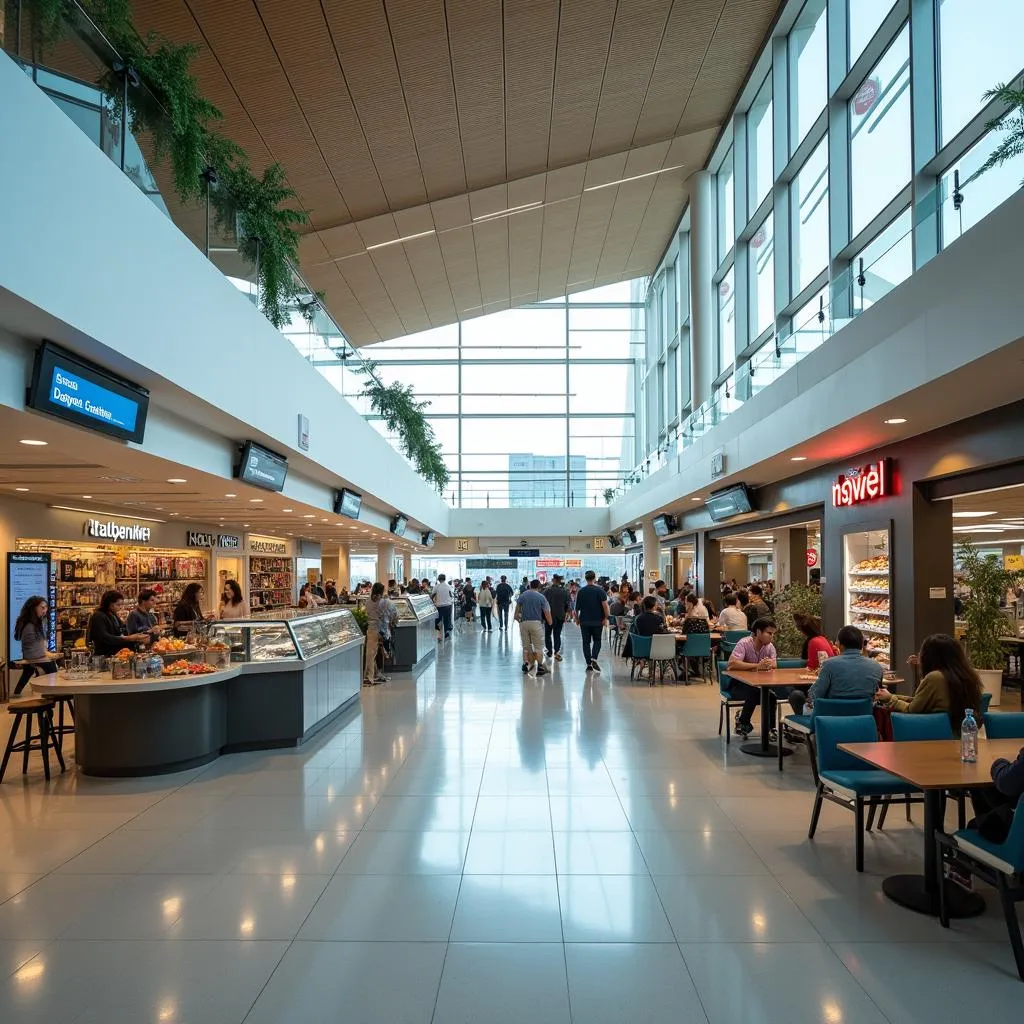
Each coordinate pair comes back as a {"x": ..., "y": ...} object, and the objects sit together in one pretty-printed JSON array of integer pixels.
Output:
[{"x": 425, "y": 119}]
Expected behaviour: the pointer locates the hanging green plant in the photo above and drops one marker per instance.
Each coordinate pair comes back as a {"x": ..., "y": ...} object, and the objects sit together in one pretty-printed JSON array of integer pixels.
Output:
[
  {"x": 402, "y": 413},
  {"x": 1011, "y": 123}
]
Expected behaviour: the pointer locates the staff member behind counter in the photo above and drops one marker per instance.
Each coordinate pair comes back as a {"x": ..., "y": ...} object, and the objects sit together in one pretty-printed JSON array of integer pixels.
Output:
[{"x": 107, "y": 633}]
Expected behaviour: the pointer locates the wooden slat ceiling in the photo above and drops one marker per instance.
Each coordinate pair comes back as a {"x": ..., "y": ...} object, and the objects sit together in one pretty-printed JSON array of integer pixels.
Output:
[{"x": 395, "y": 118}]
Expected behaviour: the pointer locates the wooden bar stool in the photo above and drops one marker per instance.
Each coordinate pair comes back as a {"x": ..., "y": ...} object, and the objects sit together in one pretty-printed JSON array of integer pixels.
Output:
[
  {"x": 41, "y": 709},
  {"x": 59, "y": 730}
]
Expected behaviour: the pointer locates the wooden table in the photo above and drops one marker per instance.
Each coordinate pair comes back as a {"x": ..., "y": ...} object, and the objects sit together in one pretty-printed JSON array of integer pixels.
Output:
[
  {"x": 766, "y": 681},
  {"x": 935, "y": 767}
]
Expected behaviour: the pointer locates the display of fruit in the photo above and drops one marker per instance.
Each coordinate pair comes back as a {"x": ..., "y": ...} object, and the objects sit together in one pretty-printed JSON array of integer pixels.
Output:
[
  {"x": 177, "y": 668},
  {"x": 200, "y": 669},
  {"x": 170, "y": 645},
  {"x": 124, "y": 655}
]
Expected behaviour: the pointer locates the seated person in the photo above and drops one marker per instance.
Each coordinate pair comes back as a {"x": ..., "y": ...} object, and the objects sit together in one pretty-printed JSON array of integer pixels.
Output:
[
  {"x": 693, "y": 608},
  {"x": 994, "y": 808},
  {"x": 949, "y": 683},
  {"x": 752, "y": 653},
  {"x": 647, "y": 623},
  {"x": 849, "y": 676},
  {"x": 731, "y": 618}
]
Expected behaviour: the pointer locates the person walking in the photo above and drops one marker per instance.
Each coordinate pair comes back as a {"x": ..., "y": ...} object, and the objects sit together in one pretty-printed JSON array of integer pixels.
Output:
[
  {"x": 468, "y": 600},
  {"x": 485, "y": 601},
  {"x": 558, "y": 601},
  {"x": 503, "y": 595},
  {"x": 443, "y": 600},
  {"x": 532, "y": 613},
  {"x": 381, "y": 614},
  {"x": 591, "y": 617},
  {"x": 525, "y": 585}
]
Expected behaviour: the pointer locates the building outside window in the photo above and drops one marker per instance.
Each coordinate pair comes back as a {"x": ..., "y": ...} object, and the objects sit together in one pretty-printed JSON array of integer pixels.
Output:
[{"x": 808, "y": 70}]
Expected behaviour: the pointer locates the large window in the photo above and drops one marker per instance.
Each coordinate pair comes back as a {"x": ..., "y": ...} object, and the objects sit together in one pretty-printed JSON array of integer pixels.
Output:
[
  {"x": 726, "y": 204},
  {"x": 760, "y": 174},
  {"x": 726, "y": 321},
  {"x": 810, "y": 219},
  {"x": 532, "y": 406},
  {"x": 865, "y": 18},
  {"x": 880, "y": 134},
  {"x": 979, "y": 46},
  {"x": 883, "y": 264},
  {"x": 808, "y": 70},
  {"x": 980, "y": 194},
  {"x": 762, "y": 278}
]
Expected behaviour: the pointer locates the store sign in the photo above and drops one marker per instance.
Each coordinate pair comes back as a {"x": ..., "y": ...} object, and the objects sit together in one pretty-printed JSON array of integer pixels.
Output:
[
  {"x": 461, "y": 543},
  {"x": 194, "y": 539},
  {"x": 599, "y": 543},
  {"x": 74, "y": 390},
  {"x": 268, "y": 547},
  {"x": 549, "y": 563},
  {"x": 859, "y": 486},
  {"x": 812, "y": 558},
  {"x": 479, "y": 564},
  {"x": 574, "y": 563},
  {"x": 867, "y": 96},
  {"x": 1013, "y": 563},
  {"x": 524, "y": 552},
  {"x": 118, "y": 532}
]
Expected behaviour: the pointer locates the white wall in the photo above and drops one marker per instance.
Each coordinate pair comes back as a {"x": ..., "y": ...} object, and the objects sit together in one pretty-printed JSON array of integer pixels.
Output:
[
  {"x": 945, "y": 343},
  {"x": 90, "y": 262},
  {"x": 528, "y": 523}
]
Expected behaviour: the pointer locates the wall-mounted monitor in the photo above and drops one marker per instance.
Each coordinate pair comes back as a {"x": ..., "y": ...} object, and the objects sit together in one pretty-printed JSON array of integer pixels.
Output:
[
  {"x": 261, "y": 467},
  {"x": 428, "y": 539},
  {"x": 614, "y": 540},
  {"x": 664, "y": 525},
  {"x": 399, "y": 525},
  {"x": 72, "y": 389},
  {"x": 730, "y": 501},
  {"x": 348, "y": 503},
  {"x": 627, "y": 537}
]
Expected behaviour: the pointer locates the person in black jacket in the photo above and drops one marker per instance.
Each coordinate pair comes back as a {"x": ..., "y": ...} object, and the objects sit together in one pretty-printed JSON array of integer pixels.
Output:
[
  {"x": 994, "y": 808},
  {"x": 107, "y": 633},
  {"x": 503, "y": 594}
]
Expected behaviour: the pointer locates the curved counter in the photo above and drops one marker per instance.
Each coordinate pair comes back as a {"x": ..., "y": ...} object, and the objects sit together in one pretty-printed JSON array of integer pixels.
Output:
[{"x": 154, "y": 726}]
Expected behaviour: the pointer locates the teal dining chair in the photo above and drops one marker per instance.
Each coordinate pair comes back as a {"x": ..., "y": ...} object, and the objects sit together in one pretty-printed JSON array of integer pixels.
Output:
[
  {"x": 827, "y": 707},
  {"x": 640, "y": 650},
  {"x": 846, "y": 780},
  {"x": 1001, "y": 865},
  {"x": 1005, "y": 725},
  {"x": 726, "y": 701},
  {"x": 698, "y": 645}
]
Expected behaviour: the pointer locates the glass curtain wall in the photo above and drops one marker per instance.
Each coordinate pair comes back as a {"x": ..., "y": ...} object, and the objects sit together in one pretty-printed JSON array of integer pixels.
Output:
[
  {"x": 533, "y": 406},
  {"x": 852, "y": 157}
]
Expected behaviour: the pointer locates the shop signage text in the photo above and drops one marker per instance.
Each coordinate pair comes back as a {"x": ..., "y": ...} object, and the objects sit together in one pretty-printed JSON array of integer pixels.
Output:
[
  {"x": 115, "y": 531},
  {"x": 269, "y": 547},
  {"x": 524, "y": 552},
  {"x": 491, "y": 563},
  {"x": 869, "y": 483},
  {"x": 194, "y": 539},
  {"x": 812, "y": 558}
]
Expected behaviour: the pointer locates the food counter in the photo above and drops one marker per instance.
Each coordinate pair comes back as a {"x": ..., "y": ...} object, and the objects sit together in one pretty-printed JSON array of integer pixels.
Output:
[
  {"x": 414, "y": 637},
  {"x": 280, "y": 680}
]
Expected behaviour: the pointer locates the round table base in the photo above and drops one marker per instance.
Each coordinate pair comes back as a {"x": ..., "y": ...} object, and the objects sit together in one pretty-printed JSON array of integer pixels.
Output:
[
  {"x": 909, "y": 891},
  {"x": 755, "y": 749}
]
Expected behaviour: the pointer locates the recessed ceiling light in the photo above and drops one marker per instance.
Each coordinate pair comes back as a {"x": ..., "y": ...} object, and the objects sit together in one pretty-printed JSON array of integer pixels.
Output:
[
  {"x": 21, "y": 488},
  {"x": 86, "y": 495},
  {"x": 256, "y": 501},
  {"x": 176, "y": 480},
  {"x": 245, "y": 524},
  {"x": 895, "y": 421},
  {"x": 230, "y": 495},
  {"x": 798, "y": 458},
  {"x": 695, "y": 499},
  {"x": 972, "y": 515},
  {"x": 309, "y": 516},
  {"x": 35, "y": 444},
  {"x": 174, "y": 513},
  {"x": 287, "y": 510}
]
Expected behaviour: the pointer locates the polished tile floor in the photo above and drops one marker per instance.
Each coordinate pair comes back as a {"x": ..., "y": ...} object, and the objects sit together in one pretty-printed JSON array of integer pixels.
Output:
[{"x": 475, "y": 846}]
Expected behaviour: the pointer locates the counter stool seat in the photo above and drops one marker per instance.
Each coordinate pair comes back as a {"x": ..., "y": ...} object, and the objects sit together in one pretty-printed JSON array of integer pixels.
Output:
[
  {"x": 40, "y": 708},
  {"x": 59, "y": 729}
]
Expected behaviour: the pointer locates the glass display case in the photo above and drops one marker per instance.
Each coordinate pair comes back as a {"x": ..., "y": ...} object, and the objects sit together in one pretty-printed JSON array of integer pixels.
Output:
[
  {"x": 868, "y": 589},
  {"x": 287, "y": 637},
  {"x": 415, "y": 608}
]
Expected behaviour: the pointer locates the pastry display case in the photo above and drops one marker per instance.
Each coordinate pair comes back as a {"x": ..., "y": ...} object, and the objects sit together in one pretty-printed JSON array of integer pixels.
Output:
[
  {"x": 415, "y": 607},
  {"x": 415, "y": 638},
  {"x": 286, "y": 637},
  {"x": 867, "y": 586}
]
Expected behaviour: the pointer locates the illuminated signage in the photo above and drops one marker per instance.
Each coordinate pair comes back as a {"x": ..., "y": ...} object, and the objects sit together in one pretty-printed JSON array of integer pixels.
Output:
[
  {"x": 869, "y": 483},
  {"x": 269, "y": 547},
  {"x": 115, "y": 531},
  {"x": 194, "y": 539},
  {"x": 549, "y": 563}
]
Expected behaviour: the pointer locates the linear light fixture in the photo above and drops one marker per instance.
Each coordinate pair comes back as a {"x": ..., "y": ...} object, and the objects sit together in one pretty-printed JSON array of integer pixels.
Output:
[
  {"x": 119, "y": 515},
  {"x": 634, "y": 177},
  {"x": 508, "y": 212},
  {"x": 404, "y": 238}
]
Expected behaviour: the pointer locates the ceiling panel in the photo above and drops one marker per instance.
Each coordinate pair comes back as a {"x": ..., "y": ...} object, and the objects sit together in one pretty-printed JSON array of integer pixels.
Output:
[{"x": 399, "y": 118}]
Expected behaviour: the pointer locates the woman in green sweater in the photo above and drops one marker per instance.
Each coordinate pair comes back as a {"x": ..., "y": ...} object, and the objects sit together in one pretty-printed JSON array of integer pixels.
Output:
[{"x": 949, "y": 683}]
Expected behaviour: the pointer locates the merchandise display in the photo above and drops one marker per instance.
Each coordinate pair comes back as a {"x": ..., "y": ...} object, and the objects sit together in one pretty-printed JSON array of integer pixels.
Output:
[
  {"x": 867, "y": 584},
  {"x": 288, "y": 638},
  {"x": 271, "y": 582}
]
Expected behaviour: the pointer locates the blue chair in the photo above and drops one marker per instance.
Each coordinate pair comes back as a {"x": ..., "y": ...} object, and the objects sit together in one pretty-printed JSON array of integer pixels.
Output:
[
  {"x": 791, "y": 663},
  {"x": 1005, "y": 725},
  {"x": 698, "y": 645},
  {"x": 734, "y": 636},
  {"x": 828, "y": 707},
  {"x": 847, "y": 781},
  {"x": 726, "y": 701},
  {"x": 640, "y": 647},
  {"x": 1001, "y": 865},
  {"x": 986, "y": 700},
  {"x": 921, "y": 727}
]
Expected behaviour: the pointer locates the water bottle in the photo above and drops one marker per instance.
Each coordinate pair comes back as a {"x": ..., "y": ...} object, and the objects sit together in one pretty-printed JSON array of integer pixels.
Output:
[{"x": 969, "y": 738}]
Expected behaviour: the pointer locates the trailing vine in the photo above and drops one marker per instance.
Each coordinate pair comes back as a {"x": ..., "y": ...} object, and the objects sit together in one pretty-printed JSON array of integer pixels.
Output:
[
  {"x": 402, "y": 413},
  {"x": 166, "y": 104}
]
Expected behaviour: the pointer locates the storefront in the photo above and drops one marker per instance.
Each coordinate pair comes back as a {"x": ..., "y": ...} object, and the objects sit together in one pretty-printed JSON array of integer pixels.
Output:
[{"x": 271, "y": 573}]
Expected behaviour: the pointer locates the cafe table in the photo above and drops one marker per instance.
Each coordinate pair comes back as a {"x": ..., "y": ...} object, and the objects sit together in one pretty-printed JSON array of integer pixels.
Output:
[
  {"x": 933, "y": 766},
  {"x": 766, "y": 681}
]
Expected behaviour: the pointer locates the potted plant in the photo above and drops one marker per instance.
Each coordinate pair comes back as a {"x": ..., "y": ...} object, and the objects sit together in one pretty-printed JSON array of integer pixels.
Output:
[
  {"x": 794, "y": 598},
  {"x": 988, "y": 581}
]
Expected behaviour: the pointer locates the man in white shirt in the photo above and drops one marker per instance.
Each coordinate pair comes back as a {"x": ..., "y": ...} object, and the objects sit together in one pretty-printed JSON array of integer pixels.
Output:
[
  {"x": 731, "y": 617},
  {"x": 443, "y": 600}
]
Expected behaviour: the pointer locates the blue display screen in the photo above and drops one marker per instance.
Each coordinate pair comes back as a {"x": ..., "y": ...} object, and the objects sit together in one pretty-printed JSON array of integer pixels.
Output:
[{"x": 73, "y": 392}]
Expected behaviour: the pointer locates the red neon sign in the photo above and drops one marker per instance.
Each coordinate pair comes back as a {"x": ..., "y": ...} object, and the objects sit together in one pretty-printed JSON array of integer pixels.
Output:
[{"x": 869, "y": 483}]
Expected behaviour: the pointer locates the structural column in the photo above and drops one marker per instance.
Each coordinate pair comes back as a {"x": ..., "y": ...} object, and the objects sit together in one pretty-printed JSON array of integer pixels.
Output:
[
  {"x": 344, "y": 567},
  {"x": 702, "y": 269},
  {"x": 385, "y": 561},
  {"x": 407, "y": 565},
  {"x": 652, "y": 555},
  {"x": 709, "y": 567}
]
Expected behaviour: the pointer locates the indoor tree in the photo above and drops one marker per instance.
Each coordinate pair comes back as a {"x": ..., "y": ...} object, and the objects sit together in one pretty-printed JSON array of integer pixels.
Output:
[
  {"x": 988, "y": 581},
  {"x": 794, "y": 598}
]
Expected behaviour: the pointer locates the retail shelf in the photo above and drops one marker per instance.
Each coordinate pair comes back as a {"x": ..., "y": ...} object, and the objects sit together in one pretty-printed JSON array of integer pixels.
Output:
[
  {"x": 869, "y": 611},
  {"x": 868, "y": 572}
]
